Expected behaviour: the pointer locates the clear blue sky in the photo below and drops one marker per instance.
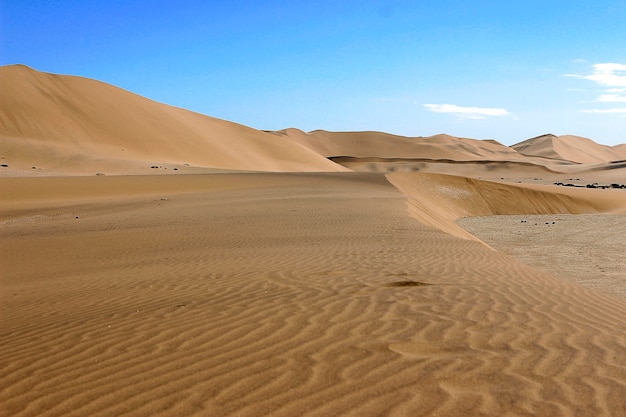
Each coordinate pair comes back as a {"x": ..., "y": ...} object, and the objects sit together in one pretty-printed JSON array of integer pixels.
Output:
[{"x": 505, "y": 70}]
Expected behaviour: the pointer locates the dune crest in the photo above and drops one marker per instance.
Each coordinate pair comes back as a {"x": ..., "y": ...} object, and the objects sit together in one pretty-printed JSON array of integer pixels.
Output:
[{"x": 439, "y": 200}]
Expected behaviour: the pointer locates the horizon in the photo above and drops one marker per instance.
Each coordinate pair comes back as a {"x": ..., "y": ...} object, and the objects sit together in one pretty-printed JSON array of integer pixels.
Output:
[{"x": 493, "y": 71}]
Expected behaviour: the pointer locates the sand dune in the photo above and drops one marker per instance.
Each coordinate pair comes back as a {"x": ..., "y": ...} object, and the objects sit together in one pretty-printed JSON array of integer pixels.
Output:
[
  {"x": 384, "y": 145},
  {"x": 67, "y": 124},
  {"x": 276, "y": 294},
  {"x": 288, "y": 294},
  {"x": 55, "y": 124},
  {"x": 546, "y": 156},
  {"x": 570, "y": 148}
]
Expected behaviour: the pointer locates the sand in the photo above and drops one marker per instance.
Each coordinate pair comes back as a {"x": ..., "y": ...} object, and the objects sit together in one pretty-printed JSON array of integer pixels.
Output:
[
  {"x": 586, "y": 249},
  {"x": 58, "y": 124},
  {"x": 191, "y": 289},
  {"x": 284, "y": 294}
]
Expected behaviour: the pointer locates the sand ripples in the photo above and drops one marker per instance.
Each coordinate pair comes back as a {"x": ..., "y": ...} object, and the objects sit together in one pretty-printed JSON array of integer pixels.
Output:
[{"x": 293, "y": 301}]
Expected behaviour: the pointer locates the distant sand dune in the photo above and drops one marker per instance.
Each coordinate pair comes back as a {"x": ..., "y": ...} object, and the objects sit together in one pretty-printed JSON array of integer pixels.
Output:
[
  {"x": 66, "y": 125},
  {"x": 570, "y": 148},
  {"x": 384, "y": 145}
]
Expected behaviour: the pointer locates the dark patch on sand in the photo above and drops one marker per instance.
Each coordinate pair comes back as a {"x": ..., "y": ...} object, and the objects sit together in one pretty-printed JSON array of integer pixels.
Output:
[{"x": 407, "y": 283}]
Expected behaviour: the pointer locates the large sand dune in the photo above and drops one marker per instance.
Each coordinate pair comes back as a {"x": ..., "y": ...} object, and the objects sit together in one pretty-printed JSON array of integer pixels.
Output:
[
  {"x": 293, "y": 293},
  {"x": 56, "y": 124},
  {"x": 64, "y": 124}
]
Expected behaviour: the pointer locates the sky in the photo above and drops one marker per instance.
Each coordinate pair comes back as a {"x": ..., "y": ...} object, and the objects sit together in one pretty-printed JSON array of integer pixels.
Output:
[{"x": 504, "y": 70}]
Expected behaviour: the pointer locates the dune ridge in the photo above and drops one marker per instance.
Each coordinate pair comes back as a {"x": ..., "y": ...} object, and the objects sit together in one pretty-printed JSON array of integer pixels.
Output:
[
  {"x": 384, "y": 145},
  {"x": 438, "y": 200}
]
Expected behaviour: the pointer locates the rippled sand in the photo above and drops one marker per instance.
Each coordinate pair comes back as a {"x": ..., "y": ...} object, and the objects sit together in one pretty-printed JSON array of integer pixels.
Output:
[{"x": 284, "y": 295}]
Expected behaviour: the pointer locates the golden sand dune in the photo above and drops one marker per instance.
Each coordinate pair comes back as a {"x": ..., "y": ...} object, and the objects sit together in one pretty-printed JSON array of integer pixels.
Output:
[
  {"x": 55, "y": 124},
  {"x": 544, "y": 156},
  {"x": 384, "y": 145},
  {"x": 70, "y": 124},
  {"x": 284, "y": 295},
  {"x": 570, "y": 148}
]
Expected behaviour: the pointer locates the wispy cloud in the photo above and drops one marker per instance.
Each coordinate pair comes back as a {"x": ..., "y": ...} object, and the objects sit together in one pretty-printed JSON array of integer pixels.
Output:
[
  {"x": 467, "y": 112},
  {"x": 611, "y": 78},
  {"x": 615, "y": 110},
  {"x": 608, "y": 75},
  {"x": 613, "y": 95}
]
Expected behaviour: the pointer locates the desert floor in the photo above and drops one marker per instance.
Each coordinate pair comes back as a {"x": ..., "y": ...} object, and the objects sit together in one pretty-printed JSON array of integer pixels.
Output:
[
  {"x": 587, "y": 249},
  {"x": 295, "y": 295}
]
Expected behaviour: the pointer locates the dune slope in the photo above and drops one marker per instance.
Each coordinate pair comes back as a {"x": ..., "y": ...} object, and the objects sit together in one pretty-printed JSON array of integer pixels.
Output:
[
  {"x": 439, "y": 200},
  {"x": 570, "y": 148},
  {"x": 74, "y": 124}
]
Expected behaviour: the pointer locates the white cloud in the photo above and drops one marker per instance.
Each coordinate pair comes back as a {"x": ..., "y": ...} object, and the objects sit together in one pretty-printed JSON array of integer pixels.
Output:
[
  {"x": 611, "y": 77},
  {"x": 467, "y": 112},
  {"x": 607, "y": 74},
  {"x": 611, "y": 98}
]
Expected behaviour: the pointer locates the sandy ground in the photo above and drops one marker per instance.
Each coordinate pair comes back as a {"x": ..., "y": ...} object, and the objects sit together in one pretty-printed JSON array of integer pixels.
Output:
[
  {"x": 283, "y": 295},
  {"x": 586, "y": 249}
]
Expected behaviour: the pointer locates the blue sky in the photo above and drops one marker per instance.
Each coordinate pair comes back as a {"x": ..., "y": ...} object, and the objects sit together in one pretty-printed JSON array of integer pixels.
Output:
[{"x": 505, "y": 70}]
